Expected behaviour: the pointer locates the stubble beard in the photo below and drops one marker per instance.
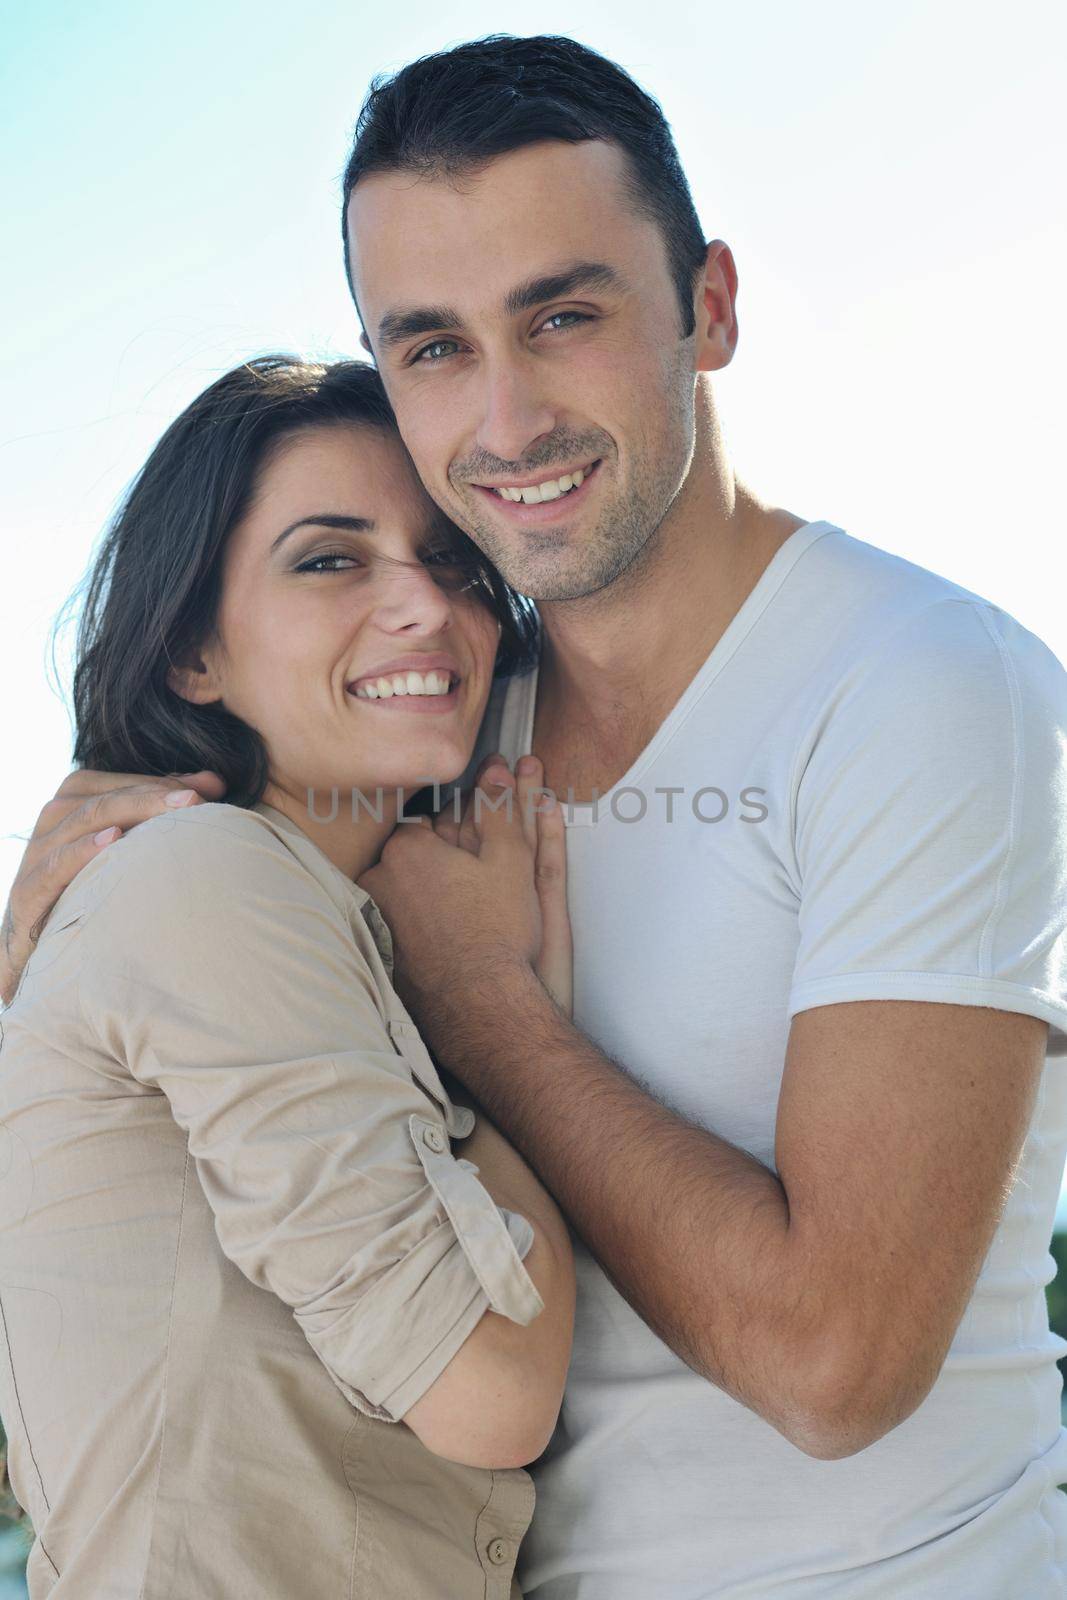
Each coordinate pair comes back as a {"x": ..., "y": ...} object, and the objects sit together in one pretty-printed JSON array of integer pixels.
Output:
[{"x": 544, "y": 565}]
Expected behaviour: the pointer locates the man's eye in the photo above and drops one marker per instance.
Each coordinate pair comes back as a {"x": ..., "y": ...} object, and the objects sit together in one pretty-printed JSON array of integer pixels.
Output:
[
  {"x": 567, "y": 319},
  {"x": 436, "y": 351},
  {"x": 314, "y": 563}
]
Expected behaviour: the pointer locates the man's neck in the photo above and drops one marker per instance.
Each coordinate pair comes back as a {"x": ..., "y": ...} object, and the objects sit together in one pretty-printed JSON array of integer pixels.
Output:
[{"x": 613, "y": 664}]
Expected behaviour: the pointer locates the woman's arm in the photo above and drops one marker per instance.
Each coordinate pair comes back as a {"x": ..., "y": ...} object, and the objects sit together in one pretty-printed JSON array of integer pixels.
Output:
[
  {"x": 218, "y": 971},
  {"x": 501, "y": 1393}
]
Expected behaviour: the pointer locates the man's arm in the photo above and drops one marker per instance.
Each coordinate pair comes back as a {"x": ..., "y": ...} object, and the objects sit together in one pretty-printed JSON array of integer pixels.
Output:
[{"x": 824, "y": 1296}]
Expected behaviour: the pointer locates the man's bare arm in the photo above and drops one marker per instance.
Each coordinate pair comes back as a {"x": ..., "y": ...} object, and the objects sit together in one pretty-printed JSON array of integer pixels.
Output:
[
  {"x": 87, "y": 813},
  {"x": 825, "y": 1295}
]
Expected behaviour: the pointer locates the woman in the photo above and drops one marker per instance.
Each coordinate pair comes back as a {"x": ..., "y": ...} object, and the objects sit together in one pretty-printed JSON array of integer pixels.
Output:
[{"x": 265, "y": 1333}]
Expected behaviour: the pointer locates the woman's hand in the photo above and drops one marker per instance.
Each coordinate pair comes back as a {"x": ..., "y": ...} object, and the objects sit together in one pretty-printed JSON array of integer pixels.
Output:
[
  {"x": 542, "y": 823},
  {"x": 465, "y": 897},
  {"x": 555, "y": 964}
]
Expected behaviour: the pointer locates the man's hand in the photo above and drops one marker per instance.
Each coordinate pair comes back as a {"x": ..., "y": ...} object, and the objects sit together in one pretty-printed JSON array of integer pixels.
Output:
[
  {"x": 462, "y": 897},
  {"x": 88, "y": 812}
]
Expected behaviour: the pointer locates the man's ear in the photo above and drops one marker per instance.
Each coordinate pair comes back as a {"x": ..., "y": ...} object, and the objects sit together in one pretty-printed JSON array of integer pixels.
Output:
[
  {"x": 365, "y": 342},
  {"x": 195, "y": 680},
  {"x": 716, "y": 328}
]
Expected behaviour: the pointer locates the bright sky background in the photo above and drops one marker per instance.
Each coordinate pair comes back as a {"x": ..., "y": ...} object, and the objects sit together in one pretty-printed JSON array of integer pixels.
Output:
[{"x": 889, "y": 176}]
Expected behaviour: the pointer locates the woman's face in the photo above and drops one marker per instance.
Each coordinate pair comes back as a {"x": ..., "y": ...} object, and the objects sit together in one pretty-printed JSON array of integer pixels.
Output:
[{"x": 339, "y": 626}]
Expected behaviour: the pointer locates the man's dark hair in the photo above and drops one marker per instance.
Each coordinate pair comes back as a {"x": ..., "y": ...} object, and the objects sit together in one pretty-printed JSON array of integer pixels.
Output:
[
  {"x": 152, "y": 595},
  {"x": 451, "y": 113}
]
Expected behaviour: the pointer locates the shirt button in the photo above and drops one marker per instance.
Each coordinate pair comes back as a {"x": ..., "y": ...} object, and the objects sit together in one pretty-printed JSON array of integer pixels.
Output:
[
  {"x": 434, "y": 1139},
  {"x": 498, "y": 1552}
]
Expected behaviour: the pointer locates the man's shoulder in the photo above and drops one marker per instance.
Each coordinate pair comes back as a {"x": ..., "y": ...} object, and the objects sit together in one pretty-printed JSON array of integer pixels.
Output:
[
  {"x": 880, "y": 580},
  {"x": 895, "y": 620}
]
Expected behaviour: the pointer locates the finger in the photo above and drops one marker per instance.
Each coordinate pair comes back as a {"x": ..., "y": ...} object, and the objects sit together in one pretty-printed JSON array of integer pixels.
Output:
[
  {"x": 446, "y": 826},
  {"x": 63, "y": 820},
  {"x": 494, "y": 809},
  {"x": 550, "y": 876},
  {"x": 468, "y": 833},
  {"x": 86, "y": 781},
  {"x": 493, "y": 759},
  {"x": 550, "y": 871},
  {"x": 34, "y": 896},
  {"x": 529, "y": 775}
]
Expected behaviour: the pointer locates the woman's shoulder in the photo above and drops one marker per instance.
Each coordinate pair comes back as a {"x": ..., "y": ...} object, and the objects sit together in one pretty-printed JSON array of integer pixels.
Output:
[{"x": 205, "y": 856}]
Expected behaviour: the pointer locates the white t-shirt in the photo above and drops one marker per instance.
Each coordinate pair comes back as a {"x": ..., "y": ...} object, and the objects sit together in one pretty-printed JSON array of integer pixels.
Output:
[{"x": 873, "y": 774}]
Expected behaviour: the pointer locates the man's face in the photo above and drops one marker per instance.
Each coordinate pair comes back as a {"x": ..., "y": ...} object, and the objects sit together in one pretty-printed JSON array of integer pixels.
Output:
[{"x": 527, "y": 329}]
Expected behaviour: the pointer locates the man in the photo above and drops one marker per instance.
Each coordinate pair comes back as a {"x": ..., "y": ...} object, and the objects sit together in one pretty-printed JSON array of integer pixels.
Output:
[{"x": 803, "y": 1124}]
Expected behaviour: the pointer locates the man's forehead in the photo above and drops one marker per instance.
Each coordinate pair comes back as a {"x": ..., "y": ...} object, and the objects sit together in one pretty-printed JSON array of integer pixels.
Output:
[{"x": 425, "y": 242}]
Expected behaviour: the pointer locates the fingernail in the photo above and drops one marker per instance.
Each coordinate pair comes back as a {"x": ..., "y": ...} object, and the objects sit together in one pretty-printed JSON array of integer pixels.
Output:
[
  {"x": 180, "y": 797},
  {"x": 526, "y": 765},
  {"x": 106, "y": 835}
]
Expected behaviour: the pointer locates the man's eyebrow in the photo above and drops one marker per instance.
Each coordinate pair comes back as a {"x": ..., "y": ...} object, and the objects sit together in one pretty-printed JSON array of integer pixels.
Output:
[
  {"x": 327, "y": 519},
  {"x": 400, "y": 325},
  {"x": 397, "y": 326},
  {"x": 557, "y": 285}
]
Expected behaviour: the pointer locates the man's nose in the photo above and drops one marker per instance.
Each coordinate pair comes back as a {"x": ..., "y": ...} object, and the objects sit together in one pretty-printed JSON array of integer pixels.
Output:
[{"x": 514, "y": 411}]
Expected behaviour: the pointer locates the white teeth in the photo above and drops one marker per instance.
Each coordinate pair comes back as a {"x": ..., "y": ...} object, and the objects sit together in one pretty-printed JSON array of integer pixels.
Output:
[
  {"x": 536, "y": 493},
  {"x": 429, "y": 683}
]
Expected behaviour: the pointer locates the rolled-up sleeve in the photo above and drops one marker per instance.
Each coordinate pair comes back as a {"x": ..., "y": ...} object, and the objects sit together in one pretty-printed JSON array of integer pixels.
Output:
[{"x": 217, "y": 971}]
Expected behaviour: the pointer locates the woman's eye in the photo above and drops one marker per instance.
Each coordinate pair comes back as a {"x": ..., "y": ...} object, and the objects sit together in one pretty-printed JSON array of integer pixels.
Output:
[
  {"x": 314, "y": 563},
  {"x": 436, "y": 351}
]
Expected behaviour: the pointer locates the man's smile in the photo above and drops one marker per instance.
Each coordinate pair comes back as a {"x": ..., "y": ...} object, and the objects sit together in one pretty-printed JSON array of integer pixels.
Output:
[{"x": 540, "y": 500}]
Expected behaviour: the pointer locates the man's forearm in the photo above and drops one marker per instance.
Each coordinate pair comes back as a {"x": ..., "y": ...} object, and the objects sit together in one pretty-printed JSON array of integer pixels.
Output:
[{"x": 694, "y": 1231}]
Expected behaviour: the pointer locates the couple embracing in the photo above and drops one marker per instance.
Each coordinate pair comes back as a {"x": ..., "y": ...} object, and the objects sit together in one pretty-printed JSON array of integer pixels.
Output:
[{"x": 649, "y": 1101}]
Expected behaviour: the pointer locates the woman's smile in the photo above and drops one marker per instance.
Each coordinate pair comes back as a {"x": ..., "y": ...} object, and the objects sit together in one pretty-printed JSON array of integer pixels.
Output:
[{"x": 420, "y": 683}]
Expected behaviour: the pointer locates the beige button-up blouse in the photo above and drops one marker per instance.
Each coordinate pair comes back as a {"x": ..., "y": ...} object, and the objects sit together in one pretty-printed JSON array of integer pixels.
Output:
[{"x": 235, "y": 1243}]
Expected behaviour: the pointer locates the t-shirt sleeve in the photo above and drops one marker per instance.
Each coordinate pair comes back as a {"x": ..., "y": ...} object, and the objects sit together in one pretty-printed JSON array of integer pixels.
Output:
[
  {"x": 217, "y": 970},
  {"x": 931, "y": 823}
]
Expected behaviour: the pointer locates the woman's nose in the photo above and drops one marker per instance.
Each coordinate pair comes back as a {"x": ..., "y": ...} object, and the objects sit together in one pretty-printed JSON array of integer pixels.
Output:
[{"x": 408, "y": 599}]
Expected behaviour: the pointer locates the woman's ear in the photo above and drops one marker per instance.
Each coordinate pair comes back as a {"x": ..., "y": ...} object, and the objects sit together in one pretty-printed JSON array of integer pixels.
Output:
[{"x": 195, "y": 680}]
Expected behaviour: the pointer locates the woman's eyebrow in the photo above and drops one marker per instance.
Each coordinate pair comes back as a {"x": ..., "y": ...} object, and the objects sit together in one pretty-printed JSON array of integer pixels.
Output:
[
  {"x": 401, "y": 324},
  {"x": 326, "y": 519}
]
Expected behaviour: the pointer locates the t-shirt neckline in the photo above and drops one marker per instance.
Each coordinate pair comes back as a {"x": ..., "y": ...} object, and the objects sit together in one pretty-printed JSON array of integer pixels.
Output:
[{"x": 767, "y": 585}]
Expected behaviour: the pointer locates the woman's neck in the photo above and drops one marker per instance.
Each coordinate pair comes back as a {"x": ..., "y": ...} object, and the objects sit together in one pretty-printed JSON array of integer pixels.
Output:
[{"x": 350, "y": 827}]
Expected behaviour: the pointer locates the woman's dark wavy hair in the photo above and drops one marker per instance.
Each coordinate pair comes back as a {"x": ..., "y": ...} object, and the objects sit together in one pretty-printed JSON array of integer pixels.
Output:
[
  {"x": 451, "y": 113},
  {"x": 152, "y": 594}
]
